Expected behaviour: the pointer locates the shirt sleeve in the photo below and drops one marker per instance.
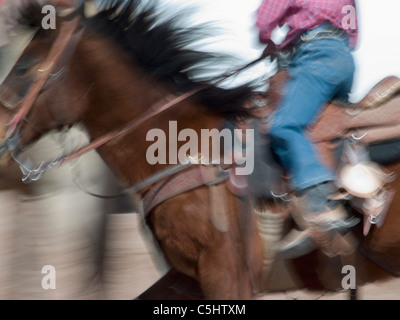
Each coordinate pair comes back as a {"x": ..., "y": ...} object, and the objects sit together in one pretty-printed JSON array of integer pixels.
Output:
[{"x": 270, "y": 14}]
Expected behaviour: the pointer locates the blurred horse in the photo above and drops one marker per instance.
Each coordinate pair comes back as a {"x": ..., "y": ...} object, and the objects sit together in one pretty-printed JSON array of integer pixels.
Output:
[
  {"x": 126, "y": 64},
  {"x": 122, "y": 73}
]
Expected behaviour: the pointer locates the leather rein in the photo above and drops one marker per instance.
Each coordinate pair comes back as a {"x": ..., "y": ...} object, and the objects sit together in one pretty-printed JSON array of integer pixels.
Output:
[
  {"x": 69, "y": 35},
  {"x": 65, "y": 38}
]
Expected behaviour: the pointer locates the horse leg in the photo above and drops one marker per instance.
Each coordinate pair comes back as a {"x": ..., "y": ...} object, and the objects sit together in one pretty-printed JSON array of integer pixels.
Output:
[
  {"x": 223, "y": 274},
  {"x": 173, "y": 286},
  {"x": 220, "y": 260},
  {"x": 230, "y": 266},
  {"x": 220, "y": 270},
  {"x": 353, "y": 294}
]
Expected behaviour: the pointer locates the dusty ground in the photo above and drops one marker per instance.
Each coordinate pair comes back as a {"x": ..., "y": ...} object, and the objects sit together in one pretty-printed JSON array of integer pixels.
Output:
[
  {"x": 128, "y": 262},
  {"x": 128, "y": 246},
  {"x": 144, "y": 272}
]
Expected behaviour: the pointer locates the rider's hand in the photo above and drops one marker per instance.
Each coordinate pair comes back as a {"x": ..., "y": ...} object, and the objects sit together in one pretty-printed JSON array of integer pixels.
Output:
[{"x": 271, "y": 50}]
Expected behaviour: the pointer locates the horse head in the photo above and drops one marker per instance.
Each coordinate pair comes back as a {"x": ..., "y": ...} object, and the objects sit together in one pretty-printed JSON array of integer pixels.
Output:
[{"x": 29, "y": 94}]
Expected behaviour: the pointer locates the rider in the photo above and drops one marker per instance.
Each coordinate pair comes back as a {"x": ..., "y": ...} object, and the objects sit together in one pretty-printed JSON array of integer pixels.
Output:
[{"x": 319, "y": 43}]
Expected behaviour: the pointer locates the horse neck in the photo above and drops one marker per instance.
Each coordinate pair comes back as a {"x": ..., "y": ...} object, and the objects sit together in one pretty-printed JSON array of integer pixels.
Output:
[{"x": 122, "y": 93}]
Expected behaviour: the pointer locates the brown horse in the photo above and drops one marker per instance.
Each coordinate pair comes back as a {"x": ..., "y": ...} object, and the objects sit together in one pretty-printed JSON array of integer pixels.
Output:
[
  {"x": 122, "y": 65},
  {"x": 123, "y": 73}
]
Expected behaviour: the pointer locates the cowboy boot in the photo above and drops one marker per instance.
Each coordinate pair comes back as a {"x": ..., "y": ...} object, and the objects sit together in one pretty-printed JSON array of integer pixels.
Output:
[{"x": 320, "y": 220}]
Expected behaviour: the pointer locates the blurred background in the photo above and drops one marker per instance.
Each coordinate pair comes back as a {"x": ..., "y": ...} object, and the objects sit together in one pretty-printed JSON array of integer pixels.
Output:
[
  {"x": 100, "y": 248},
  {"x": 377, "y": 54}
]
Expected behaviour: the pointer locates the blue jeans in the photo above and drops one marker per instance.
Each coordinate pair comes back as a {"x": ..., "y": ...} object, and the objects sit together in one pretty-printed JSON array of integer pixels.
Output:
[{"x": 320, "y": 70}]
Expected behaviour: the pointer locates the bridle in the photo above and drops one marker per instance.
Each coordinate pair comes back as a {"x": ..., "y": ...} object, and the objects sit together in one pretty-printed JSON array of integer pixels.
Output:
[
  {"x": 46, "y": 68},
  {"x": 68, "y": 38}
]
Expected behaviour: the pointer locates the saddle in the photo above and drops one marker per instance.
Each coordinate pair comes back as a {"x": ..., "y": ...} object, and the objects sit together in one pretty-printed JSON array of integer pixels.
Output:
[
  {"x": 348, "y": 138},
  {"x": 371, "y": 126},
  {"x": 376, "y": 116},
  {"x": 374, "y": 122}
]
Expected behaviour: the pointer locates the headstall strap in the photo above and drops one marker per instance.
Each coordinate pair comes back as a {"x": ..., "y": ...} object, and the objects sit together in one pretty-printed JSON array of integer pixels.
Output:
[
  {"x": 65, "y": 35},
  {"x": 59, "y": 48},
  {"x": 66, "y": 32}
]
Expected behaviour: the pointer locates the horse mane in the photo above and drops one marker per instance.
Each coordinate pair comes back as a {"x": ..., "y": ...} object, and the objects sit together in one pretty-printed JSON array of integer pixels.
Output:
[{"x": 159, "y": 46}]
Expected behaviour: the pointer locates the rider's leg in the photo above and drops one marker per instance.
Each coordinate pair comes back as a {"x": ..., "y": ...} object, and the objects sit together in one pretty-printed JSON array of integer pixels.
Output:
[{"x": 320, "y": 71}]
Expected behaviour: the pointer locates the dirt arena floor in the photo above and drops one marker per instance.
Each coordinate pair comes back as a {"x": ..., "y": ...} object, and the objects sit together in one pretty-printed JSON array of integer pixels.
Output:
[
  {"x": 144, "y": 272},
  {"x": 129, "y": 264}
]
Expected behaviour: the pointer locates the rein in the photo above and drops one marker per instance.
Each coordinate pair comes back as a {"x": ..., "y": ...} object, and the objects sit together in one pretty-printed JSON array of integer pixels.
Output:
[
  {"x": 35, "y": 174},
  {"x": 66, "y": 37},
  {"x": 44, "y": 72},
  {"x": 66, "y": 33},
  {"x": 155, "y": 110}
]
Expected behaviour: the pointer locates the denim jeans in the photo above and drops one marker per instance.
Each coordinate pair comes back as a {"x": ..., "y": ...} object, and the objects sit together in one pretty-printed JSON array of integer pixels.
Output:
[{"x": 320, "y": 70}]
